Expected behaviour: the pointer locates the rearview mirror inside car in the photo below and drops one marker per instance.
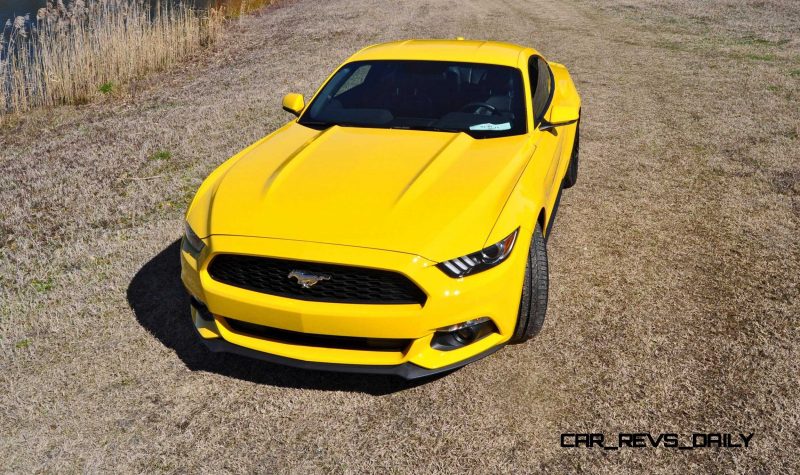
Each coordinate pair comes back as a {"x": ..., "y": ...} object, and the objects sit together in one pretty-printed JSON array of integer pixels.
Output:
[{"x": 294, "y": 103}]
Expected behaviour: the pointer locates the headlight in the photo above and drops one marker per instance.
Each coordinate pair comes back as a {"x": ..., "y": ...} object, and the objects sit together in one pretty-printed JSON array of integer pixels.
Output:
[
  {"x": 191, "y": 242},
  {"x": 482, "y": 260}
]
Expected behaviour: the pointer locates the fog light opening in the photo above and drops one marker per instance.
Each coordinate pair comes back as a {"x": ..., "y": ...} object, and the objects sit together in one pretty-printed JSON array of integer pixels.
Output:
[
  {"x": 465, "y": 335},
  {"x": 201, "y": 309},
  {"x": 462, "y": 334}
]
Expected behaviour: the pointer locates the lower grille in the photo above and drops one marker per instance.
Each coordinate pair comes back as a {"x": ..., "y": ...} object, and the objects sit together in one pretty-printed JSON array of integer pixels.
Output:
[
  {"x": 323, "y": 341},
  {"x": 341, "y": 284}
]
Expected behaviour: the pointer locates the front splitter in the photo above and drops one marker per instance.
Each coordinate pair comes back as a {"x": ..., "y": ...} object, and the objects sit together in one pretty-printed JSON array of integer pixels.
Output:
[{"x": 405, "y": 370}]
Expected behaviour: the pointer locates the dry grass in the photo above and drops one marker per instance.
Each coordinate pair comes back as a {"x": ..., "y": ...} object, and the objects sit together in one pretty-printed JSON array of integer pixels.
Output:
[
  {"x": 675, "y": 261},
  {"x": 236, "y": 8},
  {"x": 78, "y": 52}
]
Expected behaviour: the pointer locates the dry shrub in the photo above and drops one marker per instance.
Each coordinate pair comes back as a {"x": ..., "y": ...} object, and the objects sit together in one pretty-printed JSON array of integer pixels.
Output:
[
  {"x": 234, "y": 8},
  {"x": 74, "y": 52}
]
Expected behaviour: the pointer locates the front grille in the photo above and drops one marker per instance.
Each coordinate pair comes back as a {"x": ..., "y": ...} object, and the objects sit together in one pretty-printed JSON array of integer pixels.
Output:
[
  {"x": 345, "y": 284},
  {"x": 324, "y": 341}
]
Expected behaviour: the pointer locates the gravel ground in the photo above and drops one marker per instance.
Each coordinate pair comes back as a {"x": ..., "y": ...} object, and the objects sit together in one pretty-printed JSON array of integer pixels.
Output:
[{"x": 674, "y": 261}]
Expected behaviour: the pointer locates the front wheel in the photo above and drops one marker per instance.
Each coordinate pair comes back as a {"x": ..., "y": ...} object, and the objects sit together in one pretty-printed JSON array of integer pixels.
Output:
[{"x": 533, "y": 304}]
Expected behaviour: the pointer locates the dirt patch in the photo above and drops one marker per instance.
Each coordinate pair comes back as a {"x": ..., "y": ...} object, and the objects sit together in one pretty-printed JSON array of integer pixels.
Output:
[{"x": 674, "y": 262}]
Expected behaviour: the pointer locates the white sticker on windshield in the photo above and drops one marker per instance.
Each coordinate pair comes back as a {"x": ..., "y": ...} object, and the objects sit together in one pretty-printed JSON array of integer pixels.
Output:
[{"x": 487, "y": 126}]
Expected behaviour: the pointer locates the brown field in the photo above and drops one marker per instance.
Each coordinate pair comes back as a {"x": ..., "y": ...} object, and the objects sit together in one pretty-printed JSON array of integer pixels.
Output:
[{"x": 675, "y": 261}]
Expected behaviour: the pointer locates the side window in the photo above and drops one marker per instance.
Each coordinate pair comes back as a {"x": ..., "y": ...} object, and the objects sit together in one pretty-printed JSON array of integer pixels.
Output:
[{"x": 541, "y": 83}]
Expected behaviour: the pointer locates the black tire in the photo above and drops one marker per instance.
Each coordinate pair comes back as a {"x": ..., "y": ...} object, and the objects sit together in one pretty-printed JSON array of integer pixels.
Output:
[
  {"x": 533, "y": 303},
  {"x": 571, "y": 177}
]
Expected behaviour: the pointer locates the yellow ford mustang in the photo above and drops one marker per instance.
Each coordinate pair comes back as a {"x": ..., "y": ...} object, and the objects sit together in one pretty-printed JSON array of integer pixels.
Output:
[{"x": 396, "y": 226}]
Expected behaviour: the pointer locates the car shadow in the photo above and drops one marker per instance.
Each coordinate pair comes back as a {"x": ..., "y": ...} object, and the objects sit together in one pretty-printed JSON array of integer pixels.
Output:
[{"x": 161, "y": 305}]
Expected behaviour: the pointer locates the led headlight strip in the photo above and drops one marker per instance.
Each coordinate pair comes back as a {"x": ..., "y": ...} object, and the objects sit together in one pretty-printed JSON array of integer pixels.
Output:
[
  {"x": 191, "y": 242},
  {"x": 481, "y": 260}
]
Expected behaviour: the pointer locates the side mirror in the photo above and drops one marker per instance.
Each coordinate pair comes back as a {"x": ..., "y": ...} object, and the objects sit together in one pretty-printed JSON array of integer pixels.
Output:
[
  {"x": 294, "y": 103},
  {"x": 560, "y": 115}
]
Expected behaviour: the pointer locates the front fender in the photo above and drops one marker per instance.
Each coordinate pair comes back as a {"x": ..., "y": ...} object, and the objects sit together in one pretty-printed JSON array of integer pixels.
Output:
[
  {"x": 197, "y": 215},
  {"x": 522, "y": 207}
]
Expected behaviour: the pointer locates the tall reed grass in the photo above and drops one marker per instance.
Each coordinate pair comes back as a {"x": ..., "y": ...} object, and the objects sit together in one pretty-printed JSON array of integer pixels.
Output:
[{"x": 71, "y": 54}]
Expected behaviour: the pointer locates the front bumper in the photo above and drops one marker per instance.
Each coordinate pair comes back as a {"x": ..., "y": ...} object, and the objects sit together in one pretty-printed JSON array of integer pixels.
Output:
[
  {"x": 406, "y": 370},
  {"x": 493, "y": 293}
]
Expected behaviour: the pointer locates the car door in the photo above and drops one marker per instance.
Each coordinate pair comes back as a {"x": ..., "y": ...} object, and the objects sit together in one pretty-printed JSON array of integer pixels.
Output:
[{"x": 549, "y": 142}]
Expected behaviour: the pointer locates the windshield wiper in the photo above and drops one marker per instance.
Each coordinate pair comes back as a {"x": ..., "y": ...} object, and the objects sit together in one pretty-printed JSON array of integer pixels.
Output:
[
  {"x": 425, "y": 127},
  {"x": 324, "y": 125},
  {"x": 321, "y": 125},
  {"x": 316, "y": 124}
]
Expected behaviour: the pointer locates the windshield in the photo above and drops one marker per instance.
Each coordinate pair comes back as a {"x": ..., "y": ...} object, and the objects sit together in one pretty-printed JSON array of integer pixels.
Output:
[{"x": 482, "y": 100}]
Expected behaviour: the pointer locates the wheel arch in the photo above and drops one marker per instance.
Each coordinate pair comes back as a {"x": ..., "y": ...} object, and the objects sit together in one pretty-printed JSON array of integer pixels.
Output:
[{"x": 541, "y": 220}]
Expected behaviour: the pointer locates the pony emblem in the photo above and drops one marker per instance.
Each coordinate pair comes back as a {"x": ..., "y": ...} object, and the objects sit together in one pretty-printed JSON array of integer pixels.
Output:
[{"x": 307, "y": 279}]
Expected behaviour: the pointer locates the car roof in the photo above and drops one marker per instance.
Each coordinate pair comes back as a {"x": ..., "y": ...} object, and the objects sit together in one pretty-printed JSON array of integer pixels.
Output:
[{"x": 467, "y": 51}]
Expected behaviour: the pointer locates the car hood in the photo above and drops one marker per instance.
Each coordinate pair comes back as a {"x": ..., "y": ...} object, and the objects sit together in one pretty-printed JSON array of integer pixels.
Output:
[{"x": 432, "y": 194}]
